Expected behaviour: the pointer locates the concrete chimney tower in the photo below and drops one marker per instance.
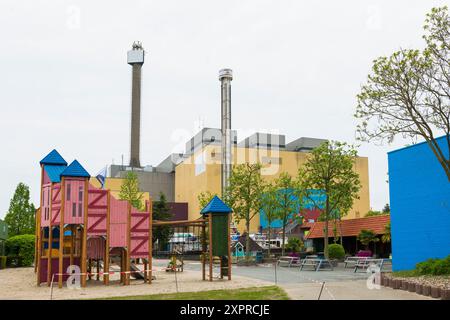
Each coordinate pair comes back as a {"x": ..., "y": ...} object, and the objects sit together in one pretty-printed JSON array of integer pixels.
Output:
[
  {"x": 135, "y": 58},
  {"x": 225, "y": 77}
]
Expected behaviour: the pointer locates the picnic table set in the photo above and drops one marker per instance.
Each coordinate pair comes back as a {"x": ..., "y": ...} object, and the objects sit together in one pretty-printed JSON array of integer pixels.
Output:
[{"x": 319, "y": 262}]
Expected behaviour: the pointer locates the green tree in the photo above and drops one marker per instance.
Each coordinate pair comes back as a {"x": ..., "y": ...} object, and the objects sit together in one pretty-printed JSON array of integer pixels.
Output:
[
  {"x": 294, "y": 244},
  {"x": 204, "y": 198},
  {"x": 129, "y": 190},
  {"x": 408, "y": 93},
  {"x": 372, "y": 213},
  {"x": 329, "y": 182},
  {"x": 269, "y": 204},
  {"x": 386, "y": 237},
  {"x": 21, "y": 213},
  {"x": 366, "y": 237},
  {"x": 161, "y": 212},
  {"x": 288, "y": 203},
  {"x": 386, "y": 209},
  {"x": 244, "y": 195}
]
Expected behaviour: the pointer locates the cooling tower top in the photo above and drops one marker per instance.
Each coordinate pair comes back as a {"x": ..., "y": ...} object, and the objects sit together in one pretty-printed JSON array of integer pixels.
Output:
[
  {"x": 226, "y": 73},
  {"x": 136, "y": 54}
]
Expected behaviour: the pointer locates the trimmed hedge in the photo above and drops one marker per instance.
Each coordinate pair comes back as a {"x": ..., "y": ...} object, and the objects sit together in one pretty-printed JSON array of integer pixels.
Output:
[
  {"x": 2, "y": 262},
  {"x": 20, "y": 250},
  {"x": 336, "y": 251},
  {"x": 434, "y": 267}
]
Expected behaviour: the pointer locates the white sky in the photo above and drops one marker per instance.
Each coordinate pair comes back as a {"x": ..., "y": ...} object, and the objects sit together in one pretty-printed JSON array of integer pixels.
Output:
[{"x": 297, "y": 67}]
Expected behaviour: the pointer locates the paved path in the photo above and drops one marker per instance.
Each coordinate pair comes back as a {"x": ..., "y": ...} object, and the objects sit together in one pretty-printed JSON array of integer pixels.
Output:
[
  {"x": 340, "y": 284},
  {"x": 347, "y": 290}
]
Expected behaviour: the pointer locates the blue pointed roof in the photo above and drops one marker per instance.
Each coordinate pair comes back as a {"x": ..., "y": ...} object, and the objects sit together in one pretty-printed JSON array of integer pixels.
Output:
[
  {"x": 216, "y": 205},
  {"x": 53, "y": 158},
  {"x": 75, "y": 169},
  {"x": 54, "y": 172}
]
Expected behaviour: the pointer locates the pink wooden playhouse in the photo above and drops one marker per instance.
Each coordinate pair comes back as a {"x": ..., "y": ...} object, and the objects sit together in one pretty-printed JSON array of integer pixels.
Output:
[{"x": 115, "y": 229}]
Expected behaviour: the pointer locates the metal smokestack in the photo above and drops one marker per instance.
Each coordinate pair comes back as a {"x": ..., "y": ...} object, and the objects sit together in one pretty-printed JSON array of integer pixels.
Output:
[
  {"x": 135, "y": 57},
  {"x": 225, "y": 77}
]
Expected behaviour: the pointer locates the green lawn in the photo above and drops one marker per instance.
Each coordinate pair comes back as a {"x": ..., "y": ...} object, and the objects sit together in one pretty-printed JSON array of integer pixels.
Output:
[
  {"x": 405, "y": 273},
  {"x": 253, "y": 293}
]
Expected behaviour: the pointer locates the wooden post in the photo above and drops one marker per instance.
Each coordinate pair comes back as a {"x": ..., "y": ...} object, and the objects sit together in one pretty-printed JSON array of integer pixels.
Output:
[
  {"x": 108, "y": 219},
  {"x": 38, "y": 247},
  {"x": 61, "y": 240},
  {"x": 229, "y": 247},
  {"x": 145, "y": 270},
  {"x": 98, "y": 270},
  {"x": 84, "y": 239},
  {"x": 50, "y": 231},
  {"x": 150, "y": 240},
  {"x": 128, "y": 255},
  {"x": 39, "y": 231},
  {"x": 37, "y": 228},
  {"x": 89, "y": 268},
  {"x": 72, "y": 242},
  {"x": 204, "y": 251},
  {"x": 61, "y": 251},
  {"x": 210, "y": 248},
  {"x": 122, "y": 268}
]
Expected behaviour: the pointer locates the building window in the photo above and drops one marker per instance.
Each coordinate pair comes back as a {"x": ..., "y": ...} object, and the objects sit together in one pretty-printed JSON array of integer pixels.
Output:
[
  {"x": 80, "y": 194},
  {"x": 80, "y": 208},
  {"x": 213, "y": 139},
  {"x": 68, "y": 191},
  {"x": 74, "y": 209}
]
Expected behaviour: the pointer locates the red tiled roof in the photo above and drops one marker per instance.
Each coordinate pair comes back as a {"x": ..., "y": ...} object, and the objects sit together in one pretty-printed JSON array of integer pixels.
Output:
[
  {"x": 306, "y": 225},
  {"x": 350, "y": 227}
]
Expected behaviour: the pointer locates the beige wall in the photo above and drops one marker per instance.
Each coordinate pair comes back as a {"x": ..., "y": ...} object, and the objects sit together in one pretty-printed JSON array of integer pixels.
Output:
[
  {"x": 114, "y": 185},
  {"x": 188, "y": 185}
]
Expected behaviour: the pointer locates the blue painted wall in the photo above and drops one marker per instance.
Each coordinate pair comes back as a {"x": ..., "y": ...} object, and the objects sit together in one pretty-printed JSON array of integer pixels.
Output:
[
  {"x": 317, "y": 196},
  {"x": 420, "y": 205}
]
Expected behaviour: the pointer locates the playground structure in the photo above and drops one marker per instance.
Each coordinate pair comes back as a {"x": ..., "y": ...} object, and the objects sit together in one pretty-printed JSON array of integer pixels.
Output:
[{"x": 80, "y": 225}]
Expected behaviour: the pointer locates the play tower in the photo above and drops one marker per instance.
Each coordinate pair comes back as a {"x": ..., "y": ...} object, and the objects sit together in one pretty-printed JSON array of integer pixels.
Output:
[
  {"x": 84, "y": 227},
  {"x": 79, "y": 224}
]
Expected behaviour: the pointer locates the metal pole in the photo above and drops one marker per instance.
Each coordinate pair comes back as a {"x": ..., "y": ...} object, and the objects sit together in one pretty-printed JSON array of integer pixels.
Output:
[
  {"x": 276, "y": 279},
  {"x": 321, "y": 289},
  {"x": 225, "y": 77},
  {"x": 176, "y": 279}
]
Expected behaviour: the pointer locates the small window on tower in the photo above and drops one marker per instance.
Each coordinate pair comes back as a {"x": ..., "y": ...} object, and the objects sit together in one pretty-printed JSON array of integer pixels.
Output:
[
  {"x": 80, "y": 208},
  {"x": 68, "y": 191},
  {"x": 80, "y": 194}
]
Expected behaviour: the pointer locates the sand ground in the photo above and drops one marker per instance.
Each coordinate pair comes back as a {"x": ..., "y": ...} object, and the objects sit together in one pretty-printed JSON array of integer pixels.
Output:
[{"x": 20, "y": 283}]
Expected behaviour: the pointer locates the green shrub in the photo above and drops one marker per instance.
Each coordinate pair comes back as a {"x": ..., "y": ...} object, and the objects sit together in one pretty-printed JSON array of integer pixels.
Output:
[
  {"x": 2, "y": 262},
  {"x": 294, "y": 244},
  {"x": 336, "y": 251},
  {"x": 21, "y": 247},
  {"x": 434, "y": 267}
]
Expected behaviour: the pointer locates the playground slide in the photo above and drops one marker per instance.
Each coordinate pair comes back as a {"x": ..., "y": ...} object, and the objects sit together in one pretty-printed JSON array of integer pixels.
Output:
[{"x": 136, "y": 275}]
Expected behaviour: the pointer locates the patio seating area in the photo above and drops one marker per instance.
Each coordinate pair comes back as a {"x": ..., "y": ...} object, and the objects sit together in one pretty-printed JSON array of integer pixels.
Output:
[{"x": 319, "y": 262}]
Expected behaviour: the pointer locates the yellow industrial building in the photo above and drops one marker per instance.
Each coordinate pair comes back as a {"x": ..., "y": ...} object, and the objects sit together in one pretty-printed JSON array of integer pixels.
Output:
[
  {"x": 182, "y": 177},
  {"x": 200, "y": 171}
]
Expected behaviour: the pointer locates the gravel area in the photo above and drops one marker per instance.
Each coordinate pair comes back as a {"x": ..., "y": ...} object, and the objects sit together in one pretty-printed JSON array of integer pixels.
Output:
[{"x": 442, "y": 282}]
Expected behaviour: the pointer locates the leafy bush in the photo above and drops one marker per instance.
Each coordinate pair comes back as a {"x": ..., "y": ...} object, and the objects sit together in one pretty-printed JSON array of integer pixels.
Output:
[
  {"x": 294, "y": 244},
  {"x": 434, "y": 267},
  {"x": 22, "y": 247},
  {"x": 2, "y": 262},
  {"x": 336, "y": 251}
]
